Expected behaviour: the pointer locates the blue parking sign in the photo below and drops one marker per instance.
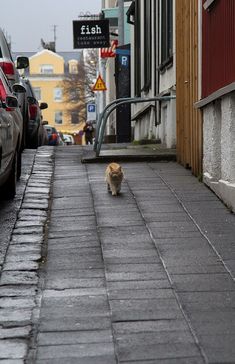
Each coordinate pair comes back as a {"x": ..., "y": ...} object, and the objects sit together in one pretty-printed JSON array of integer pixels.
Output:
[
  {"x": 91, "y": 112},
  {"x": 91, "y": 108}
]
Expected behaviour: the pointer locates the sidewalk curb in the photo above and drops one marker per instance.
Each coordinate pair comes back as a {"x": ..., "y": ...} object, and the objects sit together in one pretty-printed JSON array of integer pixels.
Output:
[
  {"x": 19, "y": 279},
  {"x": 130, "y": 158}
]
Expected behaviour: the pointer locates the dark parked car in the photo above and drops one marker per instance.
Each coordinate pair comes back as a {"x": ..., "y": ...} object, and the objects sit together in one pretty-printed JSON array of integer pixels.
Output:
[
  {"x": 11, "y": 126},
  {"x": 36, "y": 134},
  {"x": 11, "y": 72}
]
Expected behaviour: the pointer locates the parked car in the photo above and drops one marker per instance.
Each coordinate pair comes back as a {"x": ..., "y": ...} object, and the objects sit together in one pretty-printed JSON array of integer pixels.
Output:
[
  {"x": 11, "y": 72},
  {"x": 68, "y": 139},
  {"x": 6, "y": 61},
  {"x": 53, "y": 135},
  {"x": 11, "y": 127},
  {"x": 36, "y": 134}
]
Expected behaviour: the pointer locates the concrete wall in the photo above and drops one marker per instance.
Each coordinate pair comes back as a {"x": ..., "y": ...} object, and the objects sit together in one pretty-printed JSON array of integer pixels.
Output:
[
  {"x": 166, "y": 130},
  {"x": 167, "y": 85},
  {"x": 219, "y": 148}
]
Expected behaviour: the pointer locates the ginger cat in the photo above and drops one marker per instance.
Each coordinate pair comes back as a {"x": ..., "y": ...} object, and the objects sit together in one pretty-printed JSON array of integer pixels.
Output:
[{"x": 114, "y": 176}]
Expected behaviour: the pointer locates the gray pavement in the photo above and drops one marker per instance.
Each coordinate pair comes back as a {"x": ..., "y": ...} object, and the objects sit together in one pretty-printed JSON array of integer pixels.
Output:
[{"x": 146, "y": 277}]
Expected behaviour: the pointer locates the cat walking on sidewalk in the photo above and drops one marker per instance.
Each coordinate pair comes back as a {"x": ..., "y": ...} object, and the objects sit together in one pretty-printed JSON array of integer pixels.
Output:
[{"x": 114, "y": 176}]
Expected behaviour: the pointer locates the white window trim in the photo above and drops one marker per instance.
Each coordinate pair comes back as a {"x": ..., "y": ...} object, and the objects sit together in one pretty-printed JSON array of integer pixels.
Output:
[
  {"x": 54, "y": 98},
  {"x": 207, "y": 4}
]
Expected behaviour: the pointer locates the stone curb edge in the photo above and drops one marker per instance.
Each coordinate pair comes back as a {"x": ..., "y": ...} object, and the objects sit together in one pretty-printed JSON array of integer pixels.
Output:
[{"x": 20, "y": 279}]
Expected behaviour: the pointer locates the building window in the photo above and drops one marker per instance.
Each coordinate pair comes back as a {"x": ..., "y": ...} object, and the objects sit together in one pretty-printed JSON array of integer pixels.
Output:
[
  {"x": 208, "y": 3},
  {"x": 137, "y": 71},
  {"x": 166, "y": 33},
  {"x": 147, "y": 45},
  {"x": 46, "y": 69},
  {"x": 57, "y": 94},
  {"x": 37, "y": 92},
  {"x": 74, "y": 95},
  {"x": 74, "y": 118},
  {"x": 73, "y": 67},
  {"x": 58, "y": 117}
]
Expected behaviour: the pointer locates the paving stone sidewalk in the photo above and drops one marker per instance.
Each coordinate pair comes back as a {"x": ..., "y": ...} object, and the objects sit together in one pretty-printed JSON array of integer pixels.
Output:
[{"x": 146, "y": 277}]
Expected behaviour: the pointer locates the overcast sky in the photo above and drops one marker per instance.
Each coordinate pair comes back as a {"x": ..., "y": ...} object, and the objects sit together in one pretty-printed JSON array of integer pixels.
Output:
[{"x": 27, "y": 21}]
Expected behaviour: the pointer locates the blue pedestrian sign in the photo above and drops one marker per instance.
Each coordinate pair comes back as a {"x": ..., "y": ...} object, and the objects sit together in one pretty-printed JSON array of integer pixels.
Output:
[{"x": 91, "y": 112}]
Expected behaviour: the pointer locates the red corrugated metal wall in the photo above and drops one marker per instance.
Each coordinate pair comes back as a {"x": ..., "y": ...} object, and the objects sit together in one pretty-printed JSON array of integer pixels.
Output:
[{"x": 218, "y": 46}]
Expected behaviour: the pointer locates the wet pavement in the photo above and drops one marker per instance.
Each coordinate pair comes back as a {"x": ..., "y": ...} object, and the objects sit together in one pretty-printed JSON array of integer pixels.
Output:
[{"x": 145, "y": 277}]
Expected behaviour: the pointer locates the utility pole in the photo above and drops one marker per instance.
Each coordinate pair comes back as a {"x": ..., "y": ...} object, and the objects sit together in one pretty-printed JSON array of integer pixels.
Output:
[
  {"x": 120, "y": 22},
  {"x": 54, "y": 31}
]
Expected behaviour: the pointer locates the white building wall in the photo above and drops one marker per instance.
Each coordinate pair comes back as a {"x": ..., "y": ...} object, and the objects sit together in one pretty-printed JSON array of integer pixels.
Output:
[
  {"x": 167, "y": 86},
  {"x": 219, "y": 148},
  {"x": 146, "y": 125}
]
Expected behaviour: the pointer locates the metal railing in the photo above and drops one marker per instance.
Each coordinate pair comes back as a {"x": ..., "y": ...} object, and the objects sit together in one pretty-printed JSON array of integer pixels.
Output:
[{"x": 103, "y": 117}]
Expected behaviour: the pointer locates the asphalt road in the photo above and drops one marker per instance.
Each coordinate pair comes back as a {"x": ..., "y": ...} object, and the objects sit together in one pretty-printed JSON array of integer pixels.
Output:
[{"x": 9, "y": 209}]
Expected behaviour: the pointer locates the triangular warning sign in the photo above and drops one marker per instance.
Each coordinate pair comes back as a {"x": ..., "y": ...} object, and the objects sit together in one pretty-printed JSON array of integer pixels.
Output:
[{"x": 99, "y": 85}]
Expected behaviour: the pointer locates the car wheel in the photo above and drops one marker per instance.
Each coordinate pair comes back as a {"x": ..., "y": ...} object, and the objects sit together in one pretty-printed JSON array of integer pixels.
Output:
[
  {"x": 8, "y": 190},
  {"x": 34, "y": 142}
]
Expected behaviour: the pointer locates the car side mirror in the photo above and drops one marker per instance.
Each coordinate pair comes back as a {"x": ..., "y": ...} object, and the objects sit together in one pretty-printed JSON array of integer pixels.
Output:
[
  {"x": 43, "y": 105},
  {"x": 11, "y": 102},
  {"x": 22, "y": 62},
  {"x": 18, "y": 88}
]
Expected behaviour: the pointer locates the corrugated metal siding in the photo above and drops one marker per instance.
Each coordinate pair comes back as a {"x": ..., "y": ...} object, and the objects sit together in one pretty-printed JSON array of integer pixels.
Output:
[
  {"x": 218, "y": 46},
  {"x": 188, "y": 119}
]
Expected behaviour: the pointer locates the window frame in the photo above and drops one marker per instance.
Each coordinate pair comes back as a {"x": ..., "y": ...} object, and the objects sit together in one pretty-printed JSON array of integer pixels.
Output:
[
  {"x": 166, "y": 34},
  {"x": 43, "y": 68},
  {"x": 73, "y": 68},
  {"x": 56, "y": 99},
  {"x": 73, "y": 113},
  {"x": 207, "y": 4},
  {"x": 37, "y": 91},
  {"x": 147, "y": 45},
  {"x": 137, "y": 51},
  {"x": 56, "y": 113}
]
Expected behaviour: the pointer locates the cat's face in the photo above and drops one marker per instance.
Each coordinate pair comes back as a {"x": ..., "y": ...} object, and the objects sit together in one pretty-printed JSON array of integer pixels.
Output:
[
  {"x": 115, "y": 172},
  {"x": 115, "y": 175}
]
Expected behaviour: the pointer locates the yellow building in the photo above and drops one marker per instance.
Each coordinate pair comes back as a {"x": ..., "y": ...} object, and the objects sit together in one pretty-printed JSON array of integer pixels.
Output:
[{"x": 47, "y": 71}]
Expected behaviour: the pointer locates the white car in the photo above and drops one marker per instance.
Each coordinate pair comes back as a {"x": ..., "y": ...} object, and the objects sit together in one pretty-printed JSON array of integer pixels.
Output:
[{"x": 68, "y": 139}]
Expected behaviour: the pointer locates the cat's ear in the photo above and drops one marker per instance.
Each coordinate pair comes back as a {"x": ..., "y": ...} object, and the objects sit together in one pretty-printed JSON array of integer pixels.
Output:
[
  {"x": 120, "y": 168},
  {"x": 111, "y": 168}
]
